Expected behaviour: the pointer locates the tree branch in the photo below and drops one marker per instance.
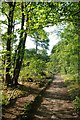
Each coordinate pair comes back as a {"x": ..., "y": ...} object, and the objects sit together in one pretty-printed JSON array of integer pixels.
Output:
[
  {"x": 78, "y": 12},
  {"x": 5, "y": 14}
]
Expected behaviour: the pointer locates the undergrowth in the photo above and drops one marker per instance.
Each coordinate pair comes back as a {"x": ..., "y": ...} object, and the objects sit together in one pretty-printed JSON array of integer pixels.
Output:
[{"x": 73, "y": 85}]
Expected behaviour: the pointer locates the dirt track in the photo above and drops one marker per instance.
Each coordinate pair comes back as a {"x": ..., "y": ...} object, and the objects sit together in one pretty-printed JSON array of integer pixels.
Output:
[{"x": 56, "y": 104}]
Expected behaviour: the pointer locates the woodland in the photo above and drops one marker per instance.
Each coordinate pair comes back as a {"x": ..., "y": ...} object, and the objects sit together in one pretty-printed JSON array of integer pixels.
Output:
[{"x": 20, "y": 66}]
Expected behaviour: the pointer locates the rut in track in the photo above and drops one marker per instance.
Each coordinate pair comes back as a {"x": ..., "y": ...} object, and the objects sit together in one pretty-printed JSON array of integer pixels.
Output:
[{"x": 56, "y": 104}]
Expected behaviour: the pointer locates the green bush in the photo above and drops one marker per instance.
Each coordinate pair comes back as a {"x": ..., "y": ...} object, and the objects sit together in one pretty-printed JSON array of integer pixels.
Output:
[
  {"x": 77, "y": 104},
  {"x": 34, "y": 70},
  {"x": 5, "y": 100}
]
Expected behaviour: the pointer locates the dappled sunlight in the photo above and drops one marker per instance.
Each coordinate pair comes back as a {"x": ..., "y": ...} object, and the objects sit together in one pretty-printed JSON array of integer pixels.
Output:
[
  {"x": 16, "y": 106},
  {"x": 56, "y": 104},
  {"x": 39, "y": 60}
]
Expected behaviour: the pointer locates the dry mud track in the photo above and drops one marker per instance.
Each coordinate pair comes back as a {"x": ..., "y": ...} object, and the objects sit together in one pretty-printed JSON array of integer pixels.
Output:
[{"x": 56, "y": 103}]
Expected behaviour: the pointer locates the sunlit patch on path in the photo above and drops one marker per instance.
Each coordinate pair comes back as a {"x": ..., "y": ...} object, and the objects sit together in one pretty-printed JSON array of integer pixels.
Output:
[{"x": 56, "y": 104}]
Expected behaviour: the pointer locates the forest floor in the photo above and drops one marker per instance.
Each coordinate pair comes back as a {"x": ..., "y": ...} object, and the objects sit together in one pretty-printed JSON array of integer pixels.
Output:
[
  {"x": 24, "y": 95},
  {"x": 56, "y": 103}
]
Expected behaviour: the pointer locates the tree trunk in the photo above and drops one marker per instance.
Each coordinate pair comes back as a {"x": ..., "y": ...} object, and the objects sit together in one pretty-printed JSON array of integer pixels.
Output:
[
  {"x": 20, "y": 49},
  {"x": 8, "y": 48},
  {"x": 36, "y": 46},
  {"x": 19, "y": 63}
]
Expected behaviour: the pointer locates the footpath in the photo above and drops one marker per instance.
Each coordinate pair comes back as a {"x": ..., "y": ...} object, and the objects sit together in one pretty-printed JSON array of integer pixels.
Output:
[{"x": 56, "y": 103}]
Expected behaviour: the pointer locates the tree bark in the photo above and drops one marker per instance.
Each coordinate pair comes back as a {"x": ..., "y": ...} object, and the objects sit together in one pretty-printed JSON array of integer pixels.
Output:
[
  {"x": 20, "y": 49},
  {"x": 36, "y": 46},
  {"x": 8, "y": 45}
]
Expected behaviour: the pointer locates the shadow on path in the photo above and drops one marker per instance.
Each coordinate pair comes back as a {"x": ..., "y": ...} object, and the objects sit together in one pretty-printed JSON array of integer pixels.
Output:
[
  {"x": 56, "y": 104},
  {"x": 16, "y": 106}
]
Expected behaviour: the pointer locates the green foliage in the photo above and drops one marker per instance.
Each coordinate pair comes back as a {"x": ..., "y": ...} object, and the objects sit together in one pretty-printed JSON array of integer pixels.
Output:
[
  {"x": 5, "y": 100},
  {"x": 0, "y": 97},
  {"x": 65, "y": 53},
  {"x": 36, "y": 17},
  {"x": 34, "y": 65},
  {"x": 39, "y": 15},
  {"x": 77, "y": 104},
  {"x": 64, "y": 58}
]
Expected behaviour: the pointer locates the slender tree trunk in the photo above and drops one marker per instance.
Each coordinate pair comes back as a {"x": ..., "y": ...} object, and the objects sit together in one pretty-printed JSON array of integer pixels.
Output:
[
  {"x": 65, "y": 70},
  {"x": 19, "y": 62},
  {"x": 36, "y": 46},
  {"x": 20, "y": 50},
  {"x": 8, "y": 48},
  {"x": 3, "y": 66}
]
